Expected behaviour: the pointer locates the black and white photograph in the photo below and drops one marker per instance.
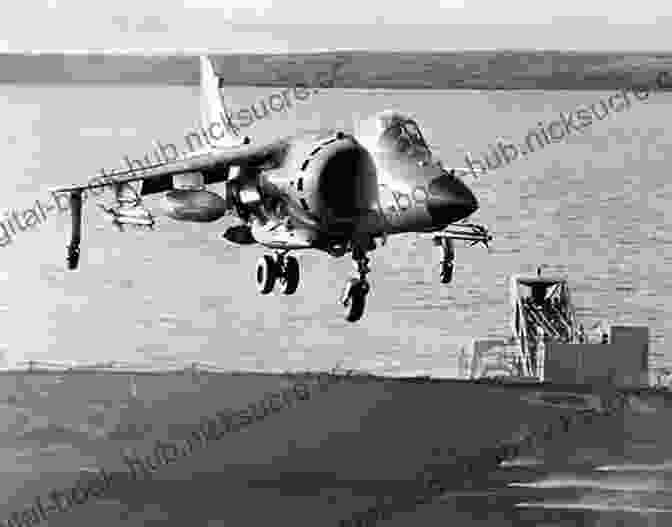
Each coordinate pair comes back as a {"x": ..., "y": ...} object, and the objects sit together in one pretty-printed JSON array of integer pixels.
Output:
[{"x": 273, "y": 263}]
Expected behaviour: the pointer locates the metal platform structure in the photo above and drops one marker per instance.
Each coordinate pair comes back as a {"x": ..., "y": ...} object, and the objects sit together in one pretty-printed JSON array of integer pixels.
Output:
[
  {"x": 548, "y": 344},
  {"x": 542, "y": 311}
]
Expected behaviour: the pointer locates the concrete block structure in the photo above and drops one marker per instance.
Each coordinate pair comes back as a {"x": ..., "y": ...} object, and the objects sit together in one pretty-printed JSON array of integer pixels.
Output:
[{"x": 621, "y": 362}]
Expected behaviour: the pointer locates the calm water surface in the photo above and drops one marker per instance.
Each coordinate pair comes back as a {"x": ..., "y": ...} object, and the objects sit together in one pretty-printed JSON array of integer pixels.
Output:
[{"x": 592, "y": 207}]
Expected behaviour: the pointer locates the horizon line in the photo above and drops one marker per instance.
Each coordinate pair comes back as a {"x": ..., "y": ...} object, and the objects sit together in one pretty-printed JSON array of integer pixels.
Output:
[{"x": 195, "y": 52}]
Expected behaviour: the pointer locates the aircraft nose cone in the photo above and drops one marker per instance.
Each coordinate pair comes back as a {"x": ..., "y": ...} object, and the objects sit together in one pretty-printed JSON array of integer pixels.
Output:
[{"x": 450, "y": 200}]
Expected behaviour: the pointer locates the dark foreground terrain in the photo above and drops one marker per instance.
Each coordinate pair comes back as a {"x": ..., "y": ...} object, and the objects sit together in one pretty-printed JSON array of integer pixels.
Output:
[
  {"x": 500, "y": 69},
  {"x": 328, "y": 448}
]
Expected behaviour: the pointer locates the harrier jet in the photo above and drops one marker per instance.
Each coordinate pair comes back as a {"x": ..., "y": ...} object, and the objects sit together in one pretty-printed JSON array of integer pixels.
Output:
[{"x": 328, "y": 190}]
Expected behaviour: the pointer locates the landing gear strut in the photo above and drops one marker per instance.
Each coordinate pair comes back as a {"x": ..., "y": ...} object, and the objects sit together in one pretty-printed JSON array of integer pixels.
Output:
[
  {"x": 76, "y": 211},
  {"x": 448, "y": 259},
  {"x": 282, "y": 268},
  {"x": 356, "y": 289}
]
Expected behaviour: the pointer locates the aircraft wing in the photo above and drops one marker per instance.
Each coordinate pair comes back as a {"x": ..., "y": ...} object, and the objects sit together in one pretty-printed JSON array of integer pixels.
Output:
[{"x": 156, "y": 178}]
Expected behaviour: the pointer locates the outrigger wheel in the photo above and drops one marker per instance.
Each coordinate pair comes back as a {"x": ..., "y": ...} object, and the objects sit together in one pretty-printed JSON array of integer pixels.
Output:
[
  {"x": 266, "y": 274},
  {"x": 282, "y": 268},
  {"x": 73, "y": 257},
  {"x": 447, "y": 272},
  {"x": 76, "y": 238},
  {"x": 448, "y": 258}
]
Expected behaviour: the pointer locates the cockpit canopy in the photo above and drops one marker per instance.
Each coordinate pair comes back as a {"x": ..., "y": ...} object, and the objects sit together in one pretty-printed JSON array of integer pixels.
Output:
[{"x": 392, "y": 131}]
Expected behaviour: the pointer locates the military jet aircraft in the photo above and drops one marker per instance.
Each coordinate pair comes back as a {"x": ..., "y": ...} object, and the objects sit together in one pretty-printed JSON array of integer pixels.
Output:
[{"x": 327, "y": 190}]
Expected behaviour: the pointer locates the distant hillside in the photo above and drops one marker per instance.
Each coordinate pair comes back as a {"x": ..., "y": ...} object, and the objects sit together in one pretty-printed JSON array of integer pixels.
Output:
[{"x": 549, "y": 70}]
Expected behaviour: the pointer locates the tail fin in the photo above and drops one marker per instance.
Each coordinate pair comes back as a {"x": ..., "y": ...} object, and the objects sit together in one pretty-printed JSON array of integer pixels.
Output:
[{"x": 213, "y": 109}]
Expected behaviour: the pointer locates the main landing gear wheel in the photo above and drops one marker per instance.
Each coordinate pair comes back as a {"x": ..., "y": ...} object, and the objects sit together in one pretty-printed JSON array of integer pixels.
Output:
[
  {"x": 290, "y": 275},
  {"x": 354, "y": 299},
  {"x": 267, "y": 273},
  {"x": 284, "y": 269}
]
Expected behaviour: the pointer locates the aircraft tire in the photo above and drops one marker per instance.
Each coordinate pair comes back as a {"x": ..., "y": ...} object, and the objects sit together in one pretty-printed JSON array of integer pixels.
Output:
[
  {"x": 291, "y": 275},
  {"x": 267, "y": 274},
  {"x": 447, "y": 274},
  {"x": 356, "y": 301},
  {"x": 73, "y": 257}
]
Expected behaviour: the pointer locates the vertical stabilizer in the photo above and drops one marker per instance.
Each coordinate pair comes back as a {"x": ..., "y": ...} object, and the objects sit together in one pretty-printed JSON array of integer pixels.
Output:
[{"x": 216, "y": 118}]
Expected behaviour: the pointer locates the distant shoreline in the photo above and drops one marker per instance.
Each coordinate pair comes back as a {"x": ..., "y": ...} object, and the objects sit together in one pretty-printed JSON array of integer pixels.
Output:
[{"x": 474, "y": 70}]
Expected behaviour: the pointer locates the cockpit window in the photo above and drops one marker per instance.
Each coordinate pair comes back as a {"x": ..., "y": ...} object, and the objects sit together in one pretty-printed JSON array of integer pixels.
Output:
[
  {"x": 392, "y": 133},
  {"x": 413, "y": 132},
  {"x": 405, "y": 136}
]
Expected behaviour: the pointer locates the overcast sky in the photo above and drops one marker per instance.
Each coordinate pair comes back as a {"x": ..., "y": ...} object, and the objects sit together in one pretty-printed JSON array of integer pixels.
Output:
[{"x": 302, "y": 25}]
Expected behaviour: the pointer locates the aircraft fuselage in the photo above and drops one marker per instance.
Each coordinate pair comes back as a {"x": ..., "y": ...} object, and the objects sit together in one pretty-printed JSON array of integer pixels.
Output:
[{"x": 331, "y": 183}]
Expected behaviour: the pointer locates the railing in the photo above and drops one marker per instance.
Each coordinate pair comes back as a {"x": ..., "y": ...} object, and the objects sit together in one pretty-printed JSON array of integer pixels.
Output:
[
  {"x": 37, "y": 366},
  {"x": 661, "y": 378},
  {"x": 138, "y": 368},
  {"x": 498, "y": 359}
]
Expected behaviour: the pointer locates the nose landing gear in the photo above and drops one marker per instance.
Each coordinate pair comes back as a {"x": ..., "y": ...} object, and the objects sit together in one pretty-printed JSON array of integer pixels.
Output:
[
  {"x": 284, "y": 269},
  {"x": 356, "y": 289}
]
